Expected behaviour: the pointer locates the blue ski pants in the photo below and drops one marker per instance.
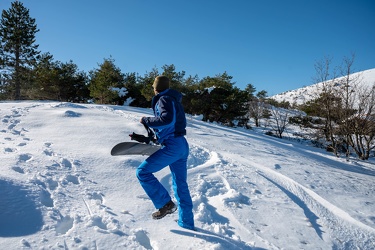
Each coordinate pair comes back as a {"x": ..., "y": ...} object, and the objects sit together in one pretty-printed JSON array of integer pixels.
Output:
[{"x": 174, "y": 153}]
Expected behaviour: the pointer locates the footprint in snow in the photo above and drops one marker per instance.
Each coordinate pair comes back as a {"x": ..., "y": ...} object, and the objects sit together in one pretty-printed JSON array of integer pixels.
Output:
[
  {"x": 12, "y": 126},
  {"x": 72, "y": 179},
  {"x": 64, "y": 225},
  {"x": 25, "y": 157},
  {"x": 142, "y": 238},
  {"x": 9, "y": 150},
  {"x": 70, "y": 113},
  {"x": 98, "y": 222},
  {"x": 98, "y": 197},
  {"x": 48, "y": 151},
  {"x": 236, "y": 199},
  {"x": 52, "y": 184},
  {"x": 18, "y": 169},
  {"x": 65, "y": 163},
  {"x": 45, "y": 198}
]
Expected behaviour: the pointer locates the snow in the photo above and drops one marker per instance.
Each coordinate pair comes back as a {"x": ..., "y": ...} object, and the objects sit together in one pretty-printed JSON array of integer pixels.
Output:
[
  {"x": 120, "y": 91},
  {"x": 61, "y": 189},
  {"x": 308, "y": 93}
]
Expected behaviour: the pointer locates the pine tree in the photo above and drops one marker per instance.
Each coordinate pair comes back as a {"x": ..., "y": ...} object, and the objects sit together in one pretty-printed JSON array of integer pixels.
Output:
[
  {"x": 103, "y": 80},
  {"x": 18, "y": 50},
  {"x": 54, "y": 80}
]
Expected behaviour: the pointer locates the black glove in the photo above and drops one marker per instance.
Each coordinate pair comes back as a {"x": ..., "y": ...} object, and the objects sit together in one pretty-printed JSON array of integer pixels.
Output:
[{"x": 140, "y": 138}]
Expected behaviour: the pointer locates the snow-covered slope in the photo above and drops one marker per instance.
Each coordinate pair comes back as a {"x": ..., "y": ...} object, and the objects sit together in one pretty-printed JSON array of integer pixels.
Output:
[
  {"x": 302, "y": 95},
  {"x": 61, "y": 189}
]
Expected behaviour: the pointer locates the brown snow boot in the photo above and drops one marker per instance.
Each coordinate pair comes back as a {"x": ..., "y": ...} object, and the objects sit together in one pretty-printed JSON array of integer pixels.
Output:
[{"x": 168, "y": 208}]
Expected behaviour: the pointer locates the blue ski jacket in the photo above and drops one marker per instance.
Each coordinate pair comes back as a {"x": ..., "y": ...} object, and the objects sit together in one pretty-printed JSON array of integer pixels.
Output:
[{"x": 169, "y": 120}]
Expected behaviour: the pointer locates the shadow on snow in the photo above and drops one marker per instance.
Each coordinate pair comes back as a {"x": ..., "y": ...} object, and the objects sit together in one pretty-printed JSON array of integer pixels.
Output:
[
  {"x": 19, "y": 215},
  {"x": 225, "y": 242}
]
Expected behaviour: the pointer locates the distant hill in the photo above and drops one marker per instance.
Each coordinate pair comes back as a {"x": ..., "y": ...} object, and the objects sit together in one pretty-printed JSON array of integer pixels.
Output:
[{"x": 302, "y": 95}]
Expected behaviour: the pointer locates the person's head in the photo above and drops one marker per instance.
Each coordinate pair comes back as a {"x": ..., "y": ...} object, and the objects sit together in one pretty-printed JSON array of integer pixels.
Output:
[{"x": 161, "y": 83}]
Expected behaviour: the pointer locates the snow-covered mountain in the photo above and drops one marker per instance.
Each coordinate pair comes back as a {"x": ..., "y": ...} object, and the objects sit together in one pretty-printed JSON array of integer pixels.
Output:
[
  {"x": 304, "y": 94},
  {"x": 61, "y": 189}
]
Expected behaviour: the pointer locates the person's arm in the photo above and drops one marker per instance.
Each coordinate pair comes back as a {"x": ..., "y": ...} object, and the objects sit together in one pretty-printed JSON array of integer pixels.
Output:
[{"x": 166, "y": 117}]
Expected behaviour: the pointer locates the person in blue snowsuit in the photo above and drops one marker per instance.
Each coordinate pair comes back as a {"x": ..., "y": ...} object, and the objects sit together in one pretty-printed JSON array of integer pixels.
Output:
[{"x": 169, "y": 124}]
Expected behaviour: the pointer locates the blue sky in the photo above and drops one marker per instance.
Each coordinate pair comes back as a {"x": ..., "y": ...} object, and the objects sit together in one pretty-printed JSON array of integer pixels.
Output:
[{"x": 271, "y": 44}]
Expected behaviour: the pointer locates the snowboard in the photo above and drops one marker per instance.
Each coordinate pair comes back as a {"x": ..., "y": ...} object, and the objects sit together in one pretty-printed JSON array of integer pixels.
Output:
[{"x": 134, "y": 148}]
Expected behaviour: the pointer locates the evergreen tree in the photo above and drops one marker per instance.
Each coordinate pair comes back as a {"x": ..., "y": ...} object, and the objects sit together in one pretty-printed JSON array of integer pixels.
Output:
[
  {"x": 103, "y": 80},
  {"x": 45, "y": 78},
  {"x": 188, "y": 90},
  {"x": 262, "y": 95},
  {"x": 218, "y": 100},
  {"x": 18, "y": 50},
  {"x": 176, "y": 78},
  {"x": 134, "y": 96},
  {"x": 146, "y": 82},
  {"x": 71, "y": 83},
  {"x": 222, "y": 81},
  {"x": 54, "y": 80},
  {"x": 250, "y": 89}
]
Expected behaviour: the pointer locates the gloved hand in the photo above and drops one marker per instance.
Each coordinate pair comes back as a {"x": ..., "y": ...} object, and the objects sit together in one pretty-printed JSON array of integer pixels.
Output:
[{"x": 140, "y": 138}]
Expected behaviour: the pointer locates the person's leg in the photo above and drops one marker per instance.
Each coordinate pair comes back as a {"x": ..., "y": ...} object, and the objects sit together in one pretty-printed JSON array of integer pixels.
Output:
[
  {"x": 157, "y": 161},
  {"x": 181, "y": 189},
  {"x": 153, "y": 188}
]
